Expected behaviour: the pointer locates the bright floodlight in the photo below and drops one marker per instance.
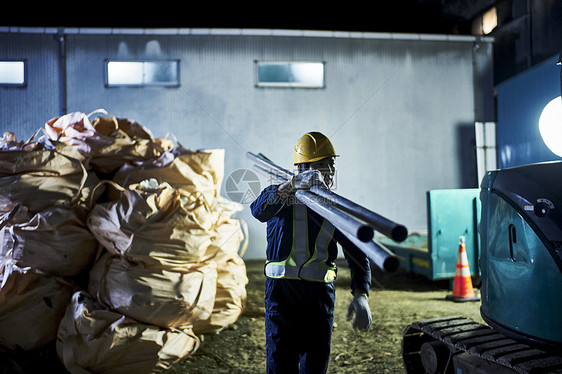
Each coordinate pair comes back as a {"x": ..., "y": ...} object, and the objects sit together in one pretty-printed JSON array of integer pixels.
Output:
[{"x": 550, "y": 125}]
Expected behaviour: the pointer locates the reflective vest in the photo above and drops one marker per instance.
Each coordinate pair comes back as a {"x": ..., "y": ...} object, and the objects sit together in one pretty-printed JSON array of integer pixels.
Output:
[{"x": 302, "y": 262}]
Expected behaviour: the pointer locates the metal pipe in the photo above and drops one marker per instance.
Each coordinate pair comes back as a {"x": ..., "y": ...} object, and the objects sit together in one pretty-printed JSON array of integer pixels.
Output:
[
  {"x": 381, "y": 256},
  {"x": 265, "y": 162},
  {"x": 383, "y": 225},
  {"x": 377, "y": 253},
  {"x": 270, "y": 173},
  {"x": 62, "y": 71},
  {"x": 338, "y": 218},
  {"x": 281, "y": 169}
]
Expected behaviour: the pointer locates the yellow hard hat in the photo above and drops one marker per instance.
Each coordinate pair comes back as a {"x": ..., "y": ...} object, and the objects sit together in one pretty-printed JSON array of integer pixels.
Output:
[{"x": 313, "y": 146}]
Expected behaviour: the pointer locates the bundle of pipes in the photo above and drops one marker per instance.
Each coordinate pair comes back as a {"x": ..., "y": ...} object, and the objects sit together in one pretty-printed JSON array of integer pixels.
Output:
[{"x": 356, "y": 222}]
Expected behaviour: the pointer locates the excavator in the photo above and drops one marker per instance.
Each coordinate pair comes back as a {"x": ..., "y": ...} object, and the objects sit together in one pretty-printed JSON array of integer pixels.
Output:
[{"x": 521, "y": 284}]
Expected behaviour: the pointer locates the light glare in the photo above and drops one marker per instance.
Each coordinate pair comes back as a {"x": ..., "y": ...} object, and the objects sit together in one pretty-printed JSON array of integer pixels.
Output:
[
  {"x": 550, "y": 125},
  {"x": 125, "y": 72},
  {"x": 311, "y": 73},
  {"x": 489, "y": 21}
]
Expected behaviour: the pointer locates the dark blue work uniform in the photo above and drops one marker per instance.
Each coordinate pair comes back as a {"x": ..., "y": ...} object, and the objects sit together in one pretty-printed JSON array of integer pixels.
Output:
[{"x": 299, "y": 291}]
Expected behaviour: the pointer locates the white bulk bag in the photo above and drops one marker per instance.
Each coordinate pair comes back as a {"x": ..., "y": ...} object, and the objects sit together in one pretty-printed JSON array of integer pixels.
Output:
[
  {"x": 230, "y": 299},
  {"x": 151, "y": 223},
  {"x": 54, "y": 240},
  {"x": 106, "y": 142},
  {"x": 31, "y": 307},
  {"x": 49, "y": 175},
  {"x": 197, "y": 174},
  {"x": 92, "y": 339},
  {"x": 152, "y": 295}
]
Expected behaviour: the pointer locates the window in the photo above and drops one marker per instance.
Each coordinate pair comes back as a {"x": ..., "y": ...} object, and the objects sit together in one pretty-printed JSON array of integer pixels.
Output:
[
  {"x": 489, "y": 21},
  {"x": 290, "y": 74},
  {"x": 485, "y": 23},
  {"x": 142, "y": 73},
  {"x": 13, "y": 73}
]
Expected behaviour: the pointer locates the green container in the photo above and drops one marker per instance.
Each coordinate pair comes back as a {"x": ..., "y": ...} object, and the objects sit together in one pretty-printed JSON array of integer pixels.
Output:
[
  {"x": 521, "y": 260},
  {"x": 451, "y": 213}
]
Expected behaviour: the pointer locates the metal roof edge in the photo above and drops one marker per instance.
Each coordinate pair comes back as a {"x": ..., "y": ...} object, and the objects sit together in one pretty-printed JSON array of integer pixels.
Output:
[{"x": 247, "y": 32}]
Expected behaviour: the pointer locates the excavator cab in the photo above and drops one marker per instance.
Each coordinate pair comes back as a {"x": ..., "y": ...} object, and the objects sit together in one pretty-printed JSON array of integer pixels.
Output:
[
  {"x": 521, "y": 292},
  {"x": 521, "y": 254}
]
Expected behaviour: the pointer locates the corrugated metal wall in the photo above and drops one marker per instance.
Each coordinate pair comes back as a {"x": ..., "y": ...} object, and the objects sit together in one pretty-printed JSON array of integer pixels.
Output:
[
  {"x": 23, "y": 110},
  {"x": 400, "y": 111}
]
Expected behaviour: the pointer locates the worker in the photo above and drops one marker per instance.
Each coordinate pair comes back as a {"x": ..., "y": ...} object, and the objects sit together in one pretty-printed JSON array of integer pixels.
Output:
[{"x": 300, "y": 267}]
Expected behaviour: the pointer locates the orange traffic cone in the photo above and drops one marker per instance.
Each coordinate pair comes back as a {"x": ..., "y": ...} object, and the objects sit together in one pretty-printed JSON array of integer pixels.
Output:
[{"x": 462, "y": 285}]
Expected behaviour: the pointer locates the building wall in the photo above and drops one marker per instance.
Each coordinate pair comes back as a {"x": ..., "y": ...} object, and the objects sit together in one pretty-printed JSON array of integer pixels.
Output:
[
  {"x": 23, "y": 110},
  {"x": 399, "y": 109}
]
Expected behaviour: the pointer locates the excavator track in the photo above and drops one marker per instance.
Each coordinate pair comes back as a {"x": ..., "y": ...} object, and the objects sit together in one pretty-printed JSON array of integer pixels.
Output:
[{"x": 458, "y": 344}]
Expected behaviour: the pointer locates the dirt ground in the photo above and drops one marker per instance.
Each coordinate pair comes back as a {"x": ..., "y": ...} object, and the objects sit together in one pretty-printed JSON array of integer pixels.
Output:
[{"x": 396, "y": 300}]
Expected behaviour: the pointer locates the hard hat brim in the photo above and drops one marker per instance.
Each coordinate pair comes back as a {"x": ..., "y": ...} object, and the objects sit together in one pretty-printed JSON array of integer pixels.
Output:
[{"x": 314, "y": 159}]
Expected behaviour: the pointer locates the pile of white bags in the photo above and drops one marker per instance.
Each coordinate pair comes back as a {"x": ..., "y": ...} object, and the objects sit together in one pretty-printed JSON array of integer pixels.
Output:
[{"x": 117, "y": 244}]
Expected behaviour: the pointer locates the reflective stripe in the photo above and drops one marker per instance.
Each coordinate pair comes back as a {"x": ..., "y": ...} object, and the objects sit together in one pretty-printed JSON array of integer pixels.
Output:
[
  {"x": 280, "y": 270},
  {"x": 323, "y": 240},
  {"x": 315, "y": 268},
  {"x": 301, "y": 263},
  {"x": 300, "y": 234}
]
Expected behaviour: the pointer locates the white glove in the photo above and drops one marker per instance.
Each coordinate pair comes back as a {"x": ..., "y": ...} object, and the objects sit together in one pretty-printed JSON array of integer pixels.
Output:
[
  {"x": 307, "y": 179},
  {"x": 359, "y": 310}
]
